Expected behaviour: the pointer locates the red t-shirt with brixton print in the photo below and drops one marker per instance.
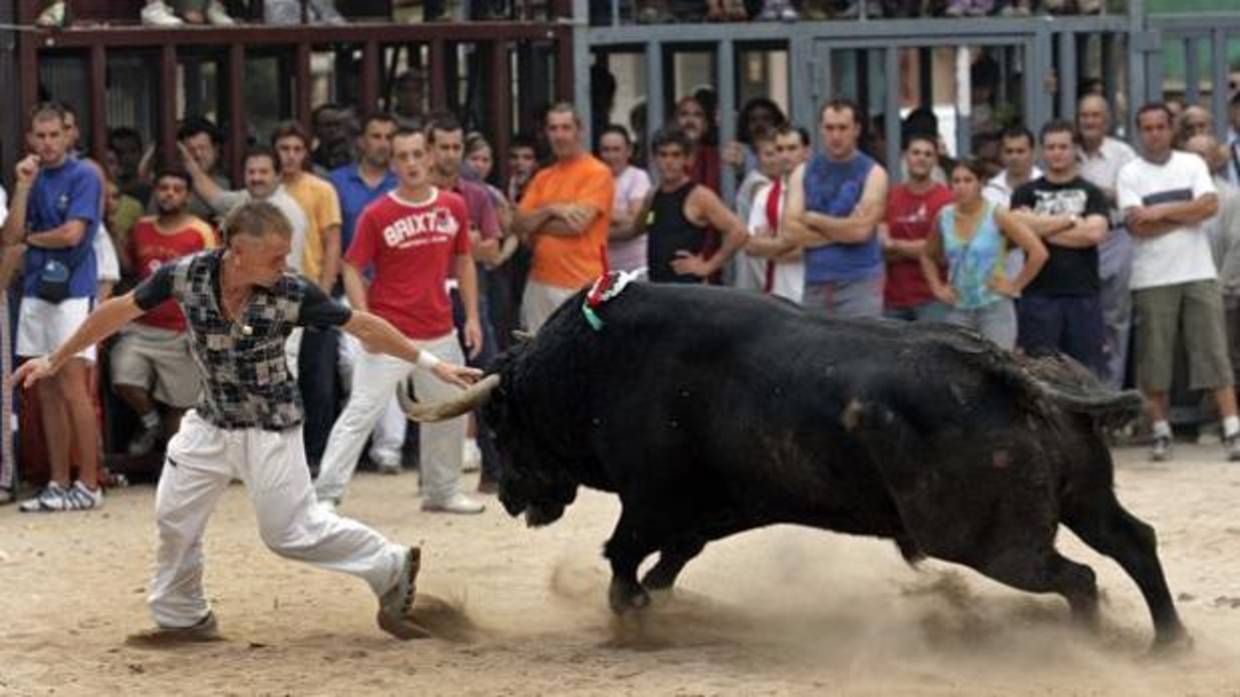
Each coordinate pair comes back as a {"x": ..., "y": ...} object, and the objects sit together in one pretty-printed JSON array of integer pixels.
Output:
[{"x": 411, "y": 245}]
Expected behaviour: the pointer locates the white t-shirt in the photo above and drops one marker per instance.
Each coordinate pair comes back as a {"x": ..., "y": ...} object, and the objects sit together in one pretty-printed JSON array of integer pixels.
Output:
[
  {"x": 109, "y": 267},
  {"x": 788, "y": 277},
  {"x": 225, "y": 201},
  {"x": 4, "y": 206},
  {"x": 631, "y": 187},
  {"x": 1183, "y": 254}
]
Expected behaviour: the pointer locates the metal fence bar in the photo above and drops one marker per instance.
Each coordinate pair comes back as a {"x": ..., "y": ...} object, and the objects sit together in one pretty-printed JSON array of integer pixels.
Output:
[
  {"x": 1219, "y": 81},
  {"x": 654, "y": 90},
  {"x": 725, "y": 76},
  {"x": 891, "y": 106},
  {"x": 1192, "y": 79},
  {"x": 1066, "y": 75}
]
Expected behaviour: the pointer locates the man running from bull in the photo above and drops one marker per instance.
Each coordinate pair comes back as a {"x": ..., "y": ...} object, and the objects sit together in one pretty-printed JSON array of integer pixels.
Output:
[{"x": 241, "y": 305}]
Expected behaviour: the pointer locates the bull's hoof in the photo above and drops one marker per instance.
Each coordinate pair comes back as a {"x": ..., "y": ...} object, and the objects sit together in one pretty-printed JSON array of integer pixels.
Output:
[
  {"x": 1173, "y": 641},
  {"x": 654, "y": 581},
  {"x": 624, "y": 597}
]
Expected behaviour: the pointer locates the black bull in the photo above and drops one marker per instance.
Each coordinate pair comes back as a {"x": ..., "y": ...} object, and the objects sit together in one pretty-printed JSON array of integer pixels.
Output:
[{"x": 711, "y": 411}]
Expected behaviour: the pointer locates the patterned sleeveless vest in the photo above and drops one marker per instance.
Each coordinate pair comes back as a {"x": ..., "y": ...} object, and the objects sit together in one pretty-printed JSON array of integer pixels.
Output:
[{"x": 246, "y": 381}]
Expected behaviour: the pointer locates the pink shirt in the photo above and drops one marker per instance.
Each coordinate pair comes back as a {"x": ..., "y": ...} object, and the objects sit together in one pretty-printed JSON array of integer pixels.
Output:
[{"x": 631, "y": 187}]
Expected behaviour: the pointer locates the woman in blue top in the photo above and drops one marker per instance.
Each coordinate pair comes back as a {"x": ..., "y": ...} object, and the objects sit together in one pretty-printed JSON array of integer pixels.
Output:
[{"x": 972, "y": 243}]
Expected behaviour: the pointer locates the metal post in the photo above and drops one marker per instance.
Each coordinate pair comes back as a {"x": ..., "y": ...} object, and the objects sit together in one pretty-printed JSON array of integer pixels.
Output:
[
  {"x": 1067, "y": 78},
  {"x": 1219, "y": 82},
  {"x": 98, "y": 101},
  {"x": 236, "y": 110},
  {"x": 1192, "y": 70},
  {"x": 800, "y": 71},
  {"x": 583, "y": 102},
  {"x": 167, "y": 110},
  {"x": 1138, "y": 64},
  {"x": 10, "y": 112},
  {"x": 964, "y": 101},
  {"x": 891, "y": 107},
  {"x": 654, "y": 91},
  {"x": 301, "y": 76},
  {"x": 725, "y": 72}
]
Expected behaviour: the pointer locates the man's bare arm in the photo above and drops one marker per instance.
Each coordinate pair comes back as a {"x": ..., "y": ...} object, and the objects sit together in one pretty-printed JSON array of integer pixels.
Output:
[
  {"x": 67, "y": 235},
  {"x": 1084, "y": 233}
]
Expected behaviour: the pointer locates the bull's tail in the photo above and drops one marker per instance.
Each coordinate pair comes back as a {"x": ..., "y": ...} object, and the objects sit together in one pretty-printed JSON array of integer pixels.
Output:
[{"x": 1071, "y": 387}]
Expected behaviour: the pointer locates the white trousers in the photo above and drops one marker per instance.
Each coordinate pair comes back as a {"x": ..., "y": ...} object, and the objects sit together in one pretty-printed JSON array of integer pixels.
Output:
[
  {"x": 202, "y": 460},
  {"x": 292, "y": 350},
  {"x": 540, "y": 301},
  {"x": 389, "y": 434},
  {"x": 376, "y": 377}
]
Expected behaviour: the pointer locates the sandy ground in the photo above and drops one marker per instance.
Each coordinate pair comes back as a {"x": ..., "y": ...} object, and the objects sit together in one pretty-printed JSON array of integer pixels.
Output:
[{"x": 774, "y": 612}]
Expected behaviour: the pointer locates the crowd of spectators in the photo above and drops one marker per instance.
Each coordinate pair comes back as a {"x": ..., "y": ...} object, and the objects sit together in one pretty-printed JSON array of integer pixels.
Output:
[
  {"x": 1073, "y": 242},
  {"x": 225, "y": 13}
]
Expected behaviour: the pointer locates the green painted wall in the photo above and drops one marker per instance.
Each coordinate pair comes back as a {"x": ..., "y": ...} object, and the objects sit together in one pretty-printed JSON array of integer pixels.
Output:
[{"x": 1173, "y": 53}]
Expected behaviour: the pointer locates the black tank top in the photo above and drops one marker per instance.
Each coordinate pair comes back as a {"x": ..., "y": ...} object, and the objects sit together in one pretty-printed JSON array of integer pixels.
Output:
[{"x": 668, "y": 231}]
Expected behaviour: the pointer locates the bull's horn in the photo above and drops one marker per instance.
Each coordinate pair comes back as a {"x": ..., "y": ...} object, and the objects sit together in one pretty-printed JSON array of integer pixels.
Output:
[
  {"x": 465, "y": 402},
  {"x": 522, "y": 336}
]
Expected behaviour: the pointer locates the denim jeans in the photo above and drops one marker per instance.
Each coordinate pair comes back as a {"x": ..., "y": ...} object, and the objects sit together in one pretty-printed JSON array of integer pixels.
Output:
[{"x": 996, "y": 321}]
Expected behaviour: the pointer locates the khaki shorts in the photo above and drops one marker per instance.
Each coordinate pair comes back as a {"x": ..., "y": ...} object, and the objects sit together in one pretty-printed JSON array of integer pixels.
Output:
[
  {"x": 1159, "y": 314},
  {"x": 158, "y": 360}
]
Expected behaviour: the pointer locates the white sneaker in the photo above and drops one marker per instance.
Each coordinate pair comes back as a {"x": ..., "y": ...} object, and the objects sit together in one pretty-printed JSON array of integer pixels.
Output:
[
  {"x": 472, "y": 456},
  {"x": 457, "y": 503},
  {"x": 158, "y": 14},
  {"x": 56, "y": 499},
  {"x": 386, "y": 463},
  {"x": 52, "y": 16},
  {"x": 217, "y": 15}
]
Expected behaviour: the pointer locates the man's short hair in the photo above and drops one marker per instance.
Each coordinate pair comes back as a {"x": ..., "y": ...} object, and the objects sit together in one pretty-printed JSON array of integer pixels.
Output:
[
  {"x": 45, "y": 111},
  {"x": 377, "y": 117},
  {"x": 1014, "y": 132},
  {"x": 801, "y": 132},
  {"x": 671, "y": 135},
  {"x": 255, "y": 219},
  {"x": 403, "y": 132},
  {"x": 318, "y": 111},
  {"x": 523, "y": 140},
  {"x": 563, "y": 108},
  {"x": 175, "y": 173},
  {"x": 841, "y": 104},
  {"x": 442, "y": 121},
  {"x": 291, "y": 129},
  {"x": 921, "y": 137},
  {"x": 195, "y": 125},
  {"x": 1058, "y": 126},
  {"x": 1150, "y": 107},
  {"x": 263, "y": 151}
]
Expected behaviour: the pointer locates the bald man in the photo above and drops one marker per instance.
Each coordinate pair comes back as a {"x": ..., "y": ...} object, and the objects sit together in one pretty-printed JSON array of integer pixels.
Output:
[
  {"x": 1224, "y": 232},
  {"x": 1101, "y": 159},
  {"x": 1194, "y": 121}
]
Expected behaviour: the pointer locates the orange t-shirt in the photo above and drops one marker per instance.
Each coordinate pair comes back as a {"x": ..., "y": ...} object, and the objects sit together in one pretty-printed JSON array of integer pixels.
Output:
[{"x": 572, "y": 261}]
